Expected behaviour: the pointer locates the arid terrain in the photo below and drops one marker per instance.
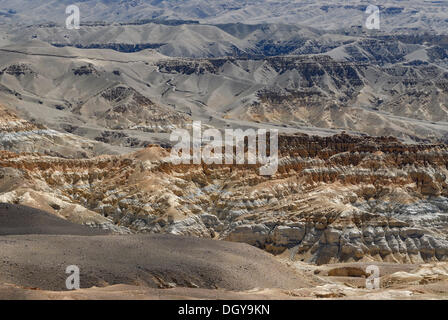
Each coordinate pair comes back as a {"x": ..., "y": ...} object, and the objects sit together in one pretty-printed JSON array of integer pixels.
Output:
[
  {"x": 86, "y": 171},
  {"x": 35, "y": 254},
  {"x": 336, "y": 205}
]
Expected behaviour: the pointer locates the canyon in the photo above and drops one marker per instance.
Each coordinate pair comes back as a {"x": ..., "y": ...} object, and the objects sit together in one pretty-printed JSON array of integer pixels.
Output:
[
  {"x": 340, "y": 198},
  {"x": 87, "y": 175}
]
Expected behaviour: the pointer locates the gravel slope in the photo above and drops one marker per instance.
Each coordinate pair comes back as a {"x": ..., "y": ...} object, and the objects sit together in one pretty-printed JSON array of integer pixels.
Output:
[{"x": 36, "y": 248}]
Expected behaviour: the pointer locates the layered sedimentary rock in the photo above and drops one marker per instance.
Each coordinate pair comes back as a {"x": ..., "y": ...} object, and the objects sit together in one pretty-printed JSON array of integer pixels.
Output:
[
  {"x": 338, "y": 198},
  {"x": 19, "y": 135},
  {"x": 373, "y": 86},
  {"x": 125, "y": 108}
]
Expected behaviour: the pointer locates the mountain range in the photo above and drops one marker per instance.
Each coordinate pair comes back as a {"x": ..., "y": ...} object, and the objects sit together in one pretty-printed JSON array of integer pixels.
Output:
[
  {"x": 396, "y": 14},
  {"x": 85, "y": 122}
]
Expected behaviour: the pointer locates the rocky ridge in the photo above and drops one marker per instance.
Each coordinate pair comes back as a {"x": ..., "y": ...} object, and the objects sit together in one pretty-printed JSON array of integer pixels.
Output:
[
  {"x": 338, "y": 198},
  {"x": 20, "y": 135},
  {"x": 131, "y": 100}
]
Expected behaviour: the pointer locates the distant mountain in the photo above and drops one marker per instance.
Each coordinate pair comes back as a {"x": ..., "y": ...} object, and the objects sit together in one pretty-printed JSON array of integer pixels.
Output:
[
  {"x": 395, "y": 14},
  {"x": 136, "y": 69},
  {"x": 134, "y": 99}
]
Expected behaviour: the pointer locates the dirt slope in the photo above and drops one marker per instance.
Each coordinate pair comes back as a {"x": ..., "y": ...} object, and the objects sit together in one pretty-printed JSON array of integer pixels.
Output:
[{"x": 21, "y": 220}]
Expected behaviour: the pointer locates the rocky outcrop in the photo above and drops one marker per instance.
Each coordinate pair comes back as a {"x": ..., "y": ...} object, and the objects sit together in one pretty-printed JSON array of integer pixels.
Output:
[
  {"x": 366, "y": 85},
  {"x": 85, "y": 70},
  {"x": 19, "y": 135},
  {"x": 18, "y": 70},
  {"x": 338, "y": 198},
  {"x": 120, "y": 108},
  {"x": 121, "y": 47}
]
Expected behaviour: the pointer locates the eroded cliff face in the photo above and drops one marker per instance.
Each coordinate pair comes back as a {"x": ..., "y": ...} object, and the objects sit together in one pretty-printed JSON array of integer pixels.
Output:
[
  {"x": 339, "y": 198},
  {"x": 20, "y": 135},
  {"x": 121, "y": 107},
  {"x": 388, "y": 97}
]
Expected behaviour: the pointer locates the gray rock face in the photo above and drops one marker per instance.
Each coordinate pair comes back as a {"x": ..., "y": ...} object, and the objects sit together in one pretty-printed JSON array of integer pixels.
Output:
[
  {"x": 212, "y": 222},
  {"x": 387, "y": 243},
  {"x": 256, "y": 235}
]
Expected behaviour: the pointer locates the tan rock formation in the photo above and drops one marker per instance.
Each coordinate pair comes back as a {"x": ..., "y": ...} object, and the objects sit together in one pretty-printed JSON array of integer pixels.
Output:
[
  {"x": 19, "y": 135},
  {"x": 339, "y": 198}
]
